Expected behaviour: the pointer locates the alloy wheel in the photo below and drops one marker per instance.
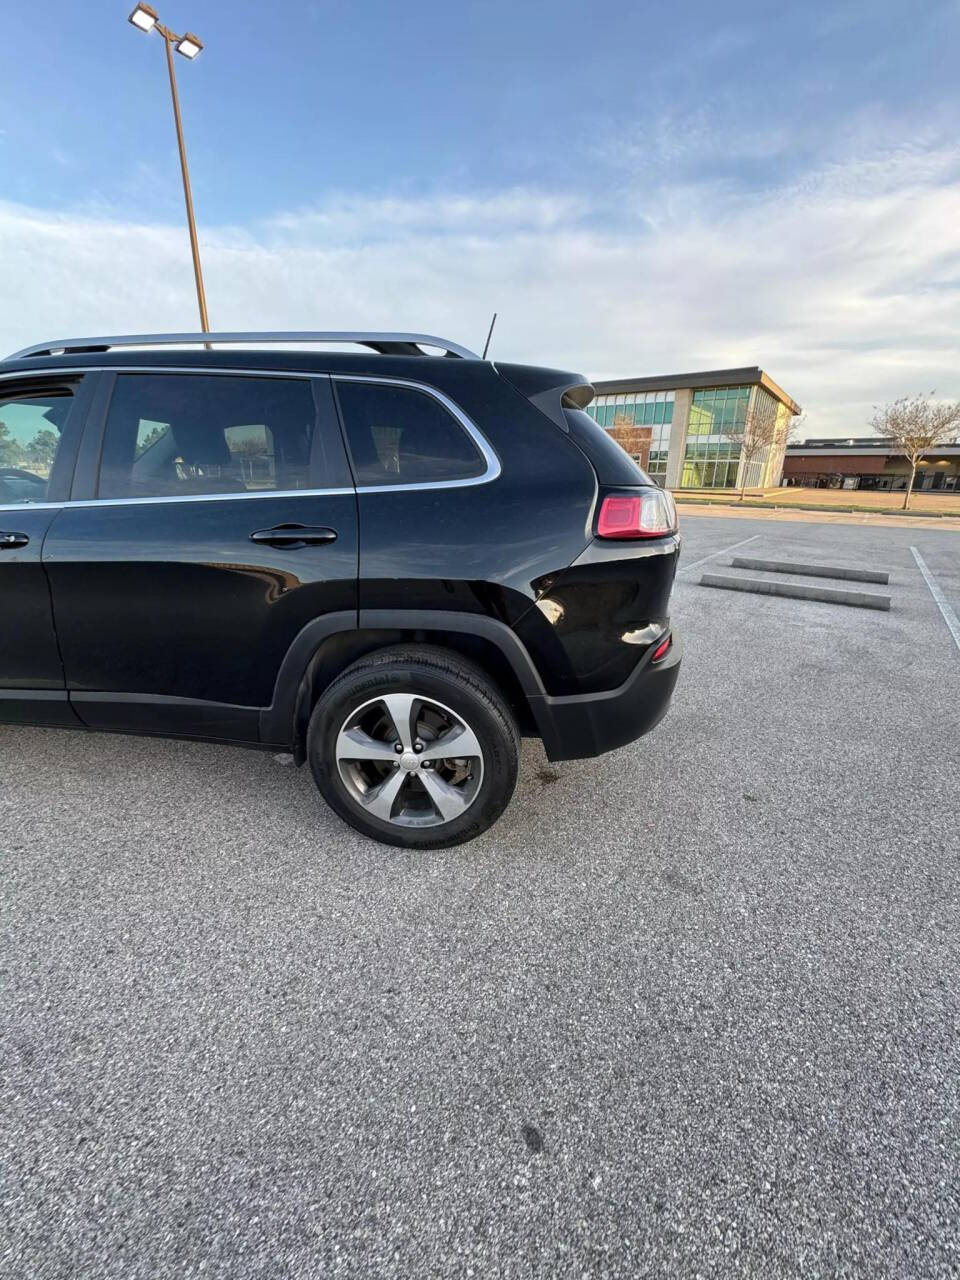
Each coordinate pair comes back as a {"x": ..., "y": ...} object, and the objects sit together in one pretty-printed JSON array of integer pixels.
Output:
[{"x": 409, "y": 760}]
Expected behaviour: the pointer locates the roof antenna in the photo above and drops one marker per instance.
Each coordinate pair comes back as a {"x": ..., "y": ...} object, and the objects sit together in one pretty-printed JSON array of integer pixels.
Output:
[{"x": 486, "y": 345}]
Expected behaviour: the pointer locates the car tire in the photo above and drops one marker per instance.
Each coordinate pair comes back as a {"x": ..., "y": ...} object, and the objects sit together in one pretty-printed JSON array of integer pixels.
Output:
[{"x": 408, "y": 786}]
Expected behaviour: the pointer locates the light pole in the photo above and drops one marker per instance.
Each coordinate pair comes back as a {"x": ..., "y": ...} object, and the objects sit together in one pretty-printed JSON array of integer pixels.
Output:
[{"x": 144, "y": 18}]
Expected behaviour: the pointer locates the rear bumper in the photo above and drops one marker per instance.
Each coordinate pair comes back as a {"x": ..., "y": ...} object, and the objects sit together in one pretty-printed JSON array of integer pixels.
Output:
[{"x": 589, "y": 724}]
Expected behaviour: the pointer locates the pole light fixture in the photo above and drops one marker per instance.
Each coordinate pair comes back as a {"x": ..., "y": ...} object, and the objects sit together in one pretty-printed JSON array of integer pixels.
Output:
[
  {"x": 189, "y": 45},
  {"x": 144, "y": 18}
]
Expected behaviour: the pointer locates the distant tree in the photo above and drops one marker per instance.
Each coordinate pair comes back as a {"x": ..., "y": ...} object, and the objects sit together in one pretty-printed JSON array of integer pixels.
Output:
[
  {"x": 251, "y": 447},
  {"x": 624, "y": 419},
  {"x": 42, "y": 449},
  {"x": 11, "y": 453},
  {"x": 761, "y": 429},
  {"x": 151, "y": 438},
  {"x": 792, "y": 424},
  {"x": 916, "y": 426}
]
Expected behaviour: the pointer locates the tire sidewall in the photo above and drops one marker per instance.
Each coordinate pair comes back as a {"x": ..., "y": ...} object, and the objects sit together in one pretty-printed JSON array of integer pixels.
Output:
[{"x": 494, "y": 734}]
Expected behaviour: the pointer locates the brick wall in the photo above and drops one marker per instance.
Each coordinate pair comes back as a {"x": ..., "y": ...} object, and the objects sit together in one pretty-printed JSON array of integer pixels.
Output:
[
  {"x": 840, "y": 464},
  {"x": 636, "y": 440}
]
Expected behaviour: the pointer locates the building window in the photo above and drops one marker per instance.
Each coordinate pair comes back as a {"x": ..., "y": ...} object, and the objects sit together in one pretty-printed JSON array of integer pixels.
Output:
[
  {"x": 639, "y": 408},
  {"x": 660, "y": 442},
  {"x": 653, "y": 409},
  {"x": 709, "y": 475},
  {"x": 711, "y": 460},
  {"x": 635, "y": 409}
]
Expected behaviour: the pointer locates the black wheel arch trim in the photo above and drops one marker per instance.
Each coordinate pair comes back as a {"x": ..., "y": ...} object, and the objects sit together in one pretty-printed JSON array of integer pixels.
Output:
[
  {"x": 277, "y": 722},
  {"x": 570, "y": 727}
]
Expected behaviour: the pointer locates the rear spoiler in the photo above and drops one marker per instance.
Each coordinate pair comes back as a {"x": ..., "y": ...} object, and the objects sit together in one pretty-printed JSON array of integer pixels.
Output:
[
  {"x": 551, "y": 390},
  {"x": 556, "y": 393}
]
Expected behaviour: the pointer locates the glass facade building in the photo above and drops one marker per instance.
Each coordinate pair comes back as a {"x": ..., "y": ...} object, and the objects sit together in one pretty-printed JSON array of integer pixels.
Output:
[
  {"x": 652, "y": 409},
  {"x": 712, "y": 459},
  {"x": 699, "y": 424}
]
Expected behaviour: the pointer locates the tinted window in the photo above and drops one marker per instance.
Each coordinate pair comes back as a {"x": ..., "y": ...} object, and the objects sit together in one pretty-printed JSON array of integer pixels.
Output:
[
  {"x": 401, "y": 436},
  {"x": 178, "y": 434},
  {"x": 29, "y": 437},
  {"x": 612, "y": 464}
]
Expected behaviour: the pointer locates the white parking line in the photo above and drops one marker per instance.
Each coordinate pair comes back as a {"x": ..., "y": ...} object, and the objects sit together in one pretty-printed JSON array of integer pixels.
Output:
[
  {"x": 943, "y": 604},
  {"x": 713, "y": 555}
]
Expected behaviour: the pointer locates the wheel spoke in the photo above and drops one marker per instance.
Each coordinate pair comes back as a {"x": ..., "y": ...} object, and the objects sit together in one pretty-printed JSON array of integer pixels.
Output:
[
  {"x": 399, "y": 707},
  {"x": 418, "y": 739},
  {"x": 354, "y": 744},
  {"x": 448, "y": 800},
  {"x": 455, "y": 743},
  {"x": 380, "y": 801}
]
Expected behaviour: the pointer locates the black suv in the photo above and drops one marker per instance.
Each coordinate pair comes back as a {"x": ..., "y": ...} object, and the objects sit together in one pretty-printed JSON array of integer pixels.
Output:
[{"x": 389, "y": 562}]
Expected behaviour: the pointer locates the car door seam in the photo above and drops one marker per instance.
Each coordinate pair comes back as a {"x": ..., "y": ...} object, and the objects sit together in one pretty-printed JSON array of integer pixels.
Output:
[{"x": 53, "y": 609}]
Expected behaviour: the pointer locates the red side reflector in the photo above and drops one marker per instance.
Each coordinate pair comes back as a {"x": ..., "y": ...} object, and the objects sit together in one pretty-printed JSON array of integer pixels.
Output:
[{"x": 662, "y": 649}]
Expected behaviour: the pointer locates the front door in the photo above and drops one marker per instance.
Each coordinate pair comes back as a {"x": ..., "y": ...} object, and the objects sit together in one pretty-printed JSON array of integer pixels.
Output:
[
  {"x": 40, "y": 420},
  {"x": 224, "y": 519}
]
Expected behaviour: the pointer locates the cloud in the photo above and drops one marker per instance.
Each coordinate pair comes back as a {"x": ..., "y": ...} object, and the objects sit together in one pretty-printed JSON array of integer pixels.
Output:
[
  {"x": 352, "y": 220},
  {"x": 843, "y": 284}
]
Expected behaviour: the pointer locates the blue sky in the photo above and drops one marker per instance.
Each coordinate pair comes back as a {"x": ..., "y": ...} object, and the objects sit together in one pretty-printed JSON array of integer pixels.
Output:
[{"x": 636, "y": 187}]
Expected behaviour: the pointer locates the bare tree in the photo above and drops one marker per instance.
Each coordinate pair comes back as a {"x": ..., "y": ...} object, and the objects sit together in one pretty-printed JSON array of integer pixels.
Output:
[
  {"x": 626, "y": 420},
  {"x": 796, "y": 424},
  {"x": 760, "y": 430},
  {"x": 915, "y": 426}
]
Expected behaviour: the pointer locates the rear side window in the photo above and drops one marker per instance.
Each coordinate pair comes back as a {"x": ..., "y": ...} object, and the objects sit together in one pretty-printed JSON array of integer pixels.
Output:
[
  {"x": 30, "y": 427},
  {"x": 170, "y": 435},
  {"x": 612, "y": 464},
  {"x": 398, "y": 435}
]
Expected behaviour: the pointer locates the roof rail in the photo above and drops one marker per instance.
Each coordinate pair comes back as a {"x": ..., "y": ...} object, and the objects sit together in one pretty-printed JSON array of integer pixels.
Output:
[{"x": 388, "y": 344}]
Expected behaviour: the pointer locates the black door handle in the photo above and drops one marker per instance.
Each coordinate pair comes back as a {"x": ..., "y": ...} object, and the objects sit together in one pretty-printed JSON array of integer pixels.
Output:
[
  {"x": 10, "y": 540},
  {"x": 294, "y": 535}
]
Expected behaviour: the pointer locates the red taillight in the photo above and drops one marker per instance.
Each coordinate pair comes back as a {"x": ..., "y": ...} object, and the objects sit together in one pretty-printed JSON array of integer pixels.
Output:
[
  {"x": 662, "y": 649},
  {"x": 650, "y": 514},
  {"x": 619, "y": 517}
]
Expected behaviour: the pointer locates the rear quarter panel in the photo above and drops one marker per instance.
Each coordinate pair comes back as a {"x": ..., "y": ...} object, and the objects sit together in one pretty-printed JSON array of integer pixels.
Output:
[
  {"x": 483, "y": 548},
  {"x": 595, "y": 620}
]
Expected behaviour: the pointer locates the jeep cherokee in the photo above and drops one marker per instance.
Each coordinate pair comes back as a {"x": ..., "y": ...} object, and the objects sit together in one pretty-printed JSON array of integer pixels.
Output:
[{"x": 391, "y": 563}]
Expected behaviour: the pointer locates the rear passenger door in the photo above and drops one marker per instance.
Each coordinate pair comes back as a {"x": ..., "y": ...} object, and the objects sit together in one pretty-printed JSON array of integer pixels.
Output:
[
  {"x": 40, "y": 423},
  {"x": 430, "y": 526},
  {"x": 221, "y": 519}
]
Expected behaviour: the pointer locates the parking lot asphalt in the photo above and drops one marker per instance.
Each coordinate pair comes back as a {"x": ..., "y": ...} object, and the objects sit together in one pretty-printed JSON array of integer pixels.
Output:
[{"x": 689, "y": 1009}]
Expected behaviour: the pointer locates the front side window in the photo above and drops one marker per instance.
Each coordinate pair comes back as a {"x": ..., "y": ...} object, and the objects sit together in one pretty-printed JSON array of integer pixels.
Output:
[
  {"x": 398, "y": 435},
  {"x": 170, "y": 435},
  {"x": 30, "y": 428}
]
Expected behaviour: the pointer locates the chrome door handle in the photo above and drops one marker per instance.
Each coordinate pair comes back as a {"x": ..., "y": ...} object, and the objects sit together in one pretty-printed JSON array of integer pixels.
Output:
[
  {"x": 294, "y": 535},
  {"x": 10, "y": 540}
]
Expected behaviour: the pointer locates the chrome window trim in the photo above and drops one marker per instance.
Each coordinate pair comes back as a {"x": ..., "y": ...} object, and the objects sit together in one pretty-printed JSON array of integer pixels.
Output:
[
  {"x": 167, "y": 498},
  {"x": 492, "y": 471},
  {"x": 35, "y": 506},
  {"x": 492, "y": 466}
]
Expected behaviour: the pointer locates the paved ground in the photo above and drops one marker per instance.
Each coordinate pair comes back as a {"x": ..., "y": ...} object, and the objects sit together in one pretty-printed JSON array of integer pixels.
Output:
[
  {"x": 938, "y": 502},
  {"x": 689, "y": 1010},
  {"x": 691, "y": 508}
]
